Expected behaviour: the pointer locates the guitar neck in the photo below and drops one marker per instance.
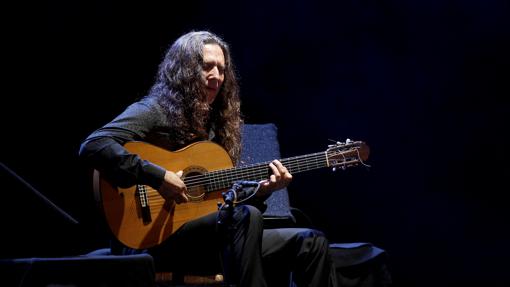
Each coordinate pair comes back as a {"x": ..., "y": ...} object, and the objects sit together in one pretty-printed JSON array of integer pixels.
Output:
[{"x": 222, "y": 179}]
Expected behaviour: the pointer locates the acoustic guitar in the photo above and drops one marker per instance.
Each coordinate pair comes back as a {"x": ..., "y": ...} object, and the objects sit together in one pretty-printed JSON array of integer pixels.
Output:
[{"x": 141, "y": 218}]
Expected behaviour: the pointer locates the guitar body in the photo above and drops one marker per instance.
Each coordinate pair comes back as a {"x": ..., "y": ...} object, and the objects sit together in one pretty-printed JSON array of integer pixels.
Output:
[{"x": 145, "y": 221}]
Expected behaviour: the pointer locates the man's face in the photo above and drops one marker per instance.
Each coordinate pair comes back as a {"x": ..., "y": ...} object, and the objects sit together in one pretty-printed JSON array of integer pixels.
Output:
[{"x": 213, "y": 71}]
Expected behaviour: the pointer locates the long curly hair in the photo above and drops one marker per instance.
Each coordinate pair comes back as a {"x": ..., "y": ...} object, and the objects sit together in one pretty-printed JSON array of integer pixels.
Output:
[{"x": 179, "y": 90}]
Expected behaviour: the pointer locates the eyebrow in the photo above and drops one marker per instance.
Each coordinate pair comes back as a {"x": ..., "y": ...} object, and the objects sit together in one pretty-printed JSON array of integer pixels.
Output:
[{"x": 208, "y": 63}]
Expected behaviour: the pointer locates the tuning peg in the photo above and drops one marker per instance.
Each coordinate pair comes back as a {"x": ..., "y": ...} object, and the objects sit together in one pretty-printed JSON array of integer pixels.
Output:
[{"x": 337, "y": 143}]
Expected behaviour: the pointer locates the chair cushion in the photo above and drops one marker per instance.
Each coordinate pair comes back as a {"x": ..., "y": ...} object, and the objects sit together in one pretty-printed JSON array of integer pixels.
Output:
[{"x": 260, "y": 144}]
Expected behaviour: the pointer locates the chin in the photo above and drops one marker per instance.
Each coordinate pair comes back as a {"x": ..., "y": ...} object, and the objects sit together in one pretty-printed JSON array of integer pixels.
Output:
[{"x": 211, "y": 98}]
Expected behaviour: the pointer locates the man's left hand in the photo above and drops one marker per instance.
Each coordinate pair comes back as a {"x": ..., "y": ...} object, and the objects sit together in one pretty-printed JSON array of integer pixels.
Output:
[{"x": 280, "y": 178}]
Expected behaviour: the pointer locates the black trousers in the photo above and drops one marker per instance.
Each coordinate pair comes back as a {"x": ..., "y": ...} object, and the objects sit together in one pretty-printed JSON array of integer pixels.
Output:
[{"x": 246, "y": 253}]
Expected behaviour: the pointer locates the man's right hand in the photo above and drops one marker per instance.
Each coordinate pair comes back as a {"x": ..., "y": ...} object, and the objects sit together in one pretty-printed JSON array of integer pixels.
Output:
[{"x": 173, "y": 188}]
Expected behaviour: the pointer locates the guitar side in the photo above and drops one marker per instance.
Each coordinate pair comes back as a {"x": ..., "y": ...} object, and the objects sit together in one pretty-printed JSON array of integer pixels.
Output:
[{"x": 141, "y": 228}]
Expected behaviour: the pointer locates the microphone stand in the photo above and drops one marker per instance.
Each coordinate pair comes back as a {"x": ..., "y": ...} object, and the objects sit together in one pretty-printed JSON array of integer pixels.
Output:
[{"x": 240, "y": 192}]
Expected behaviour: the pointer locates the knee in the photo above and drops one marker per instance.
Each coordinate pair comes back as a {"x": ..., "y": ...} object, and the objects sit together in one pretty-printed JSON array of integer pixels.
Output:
[
  {"x": 313, "y": 240},
  {"x": 252, "y": 213},
  {"x": 311, "y": 233},
  {"x": 249, "y": 216}
]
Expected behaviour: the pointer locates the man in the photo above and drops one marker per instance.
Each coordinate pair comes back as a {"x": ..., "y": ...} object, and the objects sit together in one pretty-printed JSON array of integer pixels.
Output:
[{"x": 196, "y": 97}]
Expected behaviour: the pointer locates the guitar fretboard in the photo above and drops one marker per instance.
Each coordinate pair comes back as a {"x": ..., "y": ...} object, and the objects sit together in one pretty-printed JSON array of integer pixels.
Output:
[{"x": 222, "y": 179}]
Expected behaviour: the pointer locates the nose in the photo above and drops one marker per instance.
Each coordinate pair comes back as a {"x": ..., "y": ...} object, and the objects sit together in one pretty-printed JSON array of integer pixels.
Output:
[{"x": 215, "y": 72}]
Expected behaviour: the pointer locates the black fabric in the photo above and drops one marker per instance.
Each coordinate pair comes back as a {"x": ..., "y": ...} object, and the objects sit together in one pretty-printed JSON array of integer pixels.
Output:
[
  {"x": 360, "y": 265},
  {"x": 99, "y": 270},
  {"x": 245, "y": 252},
  {"x": 350, "y": 254},
  {"x": 302, "y": 251}
]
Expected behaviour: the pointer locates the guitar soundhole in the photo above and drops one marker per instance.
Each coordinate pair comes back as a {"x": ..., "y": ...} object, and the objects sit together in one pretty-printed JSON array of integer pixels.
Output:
[{"x": 196, "y": 192}]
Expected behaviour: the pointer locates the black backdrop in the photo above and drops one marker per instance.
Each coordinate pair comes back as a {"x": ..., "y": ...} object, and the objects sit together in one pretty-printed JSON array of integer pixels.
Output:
[{"x": 424, "y": 83}]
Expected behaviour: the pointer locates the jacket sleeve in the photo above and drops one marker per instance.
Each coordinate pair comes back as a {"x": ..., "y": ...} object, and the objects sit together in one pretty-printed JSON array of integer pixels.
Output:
[{"x": 103, "y": 150}]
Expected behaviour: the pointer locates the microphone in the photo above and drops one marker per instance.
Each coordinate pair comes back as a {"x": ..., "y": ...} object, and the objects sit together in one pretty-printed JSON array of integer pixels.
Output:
[{"x": 240, "y": 191}]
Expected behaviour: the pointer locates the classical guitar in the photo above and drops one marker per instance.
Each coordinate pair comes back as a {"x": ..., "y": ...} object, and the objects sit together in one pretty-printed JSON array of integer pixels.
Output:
[{"x": 139, "y": 216}]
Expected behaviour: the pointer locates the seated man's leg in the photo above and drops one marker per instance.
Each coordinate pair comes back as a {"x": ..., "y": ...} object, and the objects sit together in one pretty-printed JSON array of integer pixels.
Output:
[
  {"x": 195, "y": 247},
  {"x": 202, "y": 242},
  {"x": 242, "y": 257},
  {"x": 303, "y": 251}
]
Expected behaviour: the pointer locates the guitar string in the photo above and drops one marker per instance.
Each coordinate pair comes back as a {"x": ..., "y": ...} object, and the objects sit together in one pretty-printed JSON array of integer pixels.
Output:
[
  {"x": 296, "y": 164},
  {"x": 290, "y": 163},
  {"x": 156, "y": 198},
  {"x": 156, "y": 194},
  {"x": 259, "y": 174},
  {"x": 247, "y": 169},
  {"x": 218, "y": 179}
]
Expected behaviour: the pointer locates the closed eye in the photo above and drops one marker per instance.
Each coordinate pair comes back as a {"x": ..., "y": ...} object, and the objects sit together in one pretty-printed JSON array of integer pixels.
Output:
[{"x": 208, "y": 66}]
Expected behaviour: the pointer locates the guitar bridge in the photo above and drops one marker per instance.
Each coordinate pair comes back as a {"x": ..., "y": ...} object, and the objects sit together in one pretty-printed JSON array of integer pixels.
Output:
[{"x": 143, "y": 200}]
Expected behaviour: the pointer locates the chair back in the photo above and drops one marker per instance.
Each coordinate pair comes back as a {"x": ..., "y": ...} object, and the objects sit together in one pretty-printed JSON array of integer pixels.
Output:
[{"x": 260, "y": 144}]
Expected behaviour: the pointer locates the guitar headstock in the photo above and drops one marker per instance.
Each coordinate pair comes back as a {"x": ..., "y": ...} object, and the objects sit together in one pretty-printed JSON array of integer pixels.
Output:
[{"x": 347, "y": 154}]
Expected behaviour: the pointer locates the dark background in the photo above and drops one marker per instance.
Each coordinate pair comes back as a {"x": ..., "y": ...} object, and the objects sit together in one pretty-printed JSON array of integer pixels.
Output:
[{"x": 424, "y": 83}]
